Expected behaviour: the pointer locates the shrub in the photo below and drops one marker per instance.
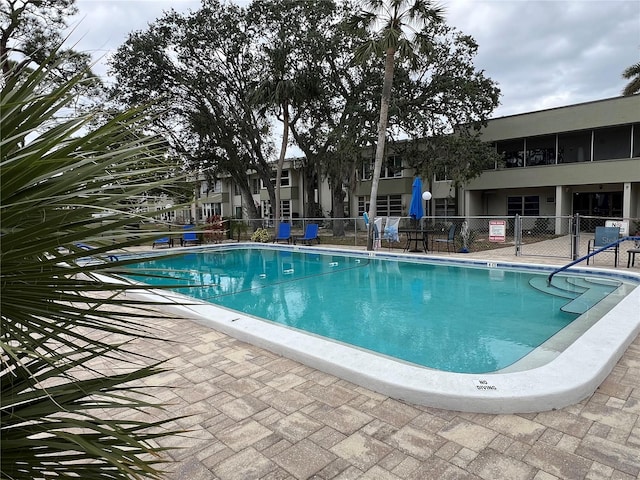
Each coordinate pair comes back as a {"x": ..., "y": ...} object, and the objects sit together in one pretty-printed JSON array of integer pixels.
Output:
[{"x": 260, "y": 235}]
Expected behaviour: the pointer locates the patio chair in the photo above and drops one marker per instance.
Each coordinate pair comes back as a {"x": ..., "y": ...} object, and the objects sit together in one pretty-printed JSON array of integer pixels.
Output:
[
  {"x": 450, "y": 240},
  {"x": 310, "y": 234},
  {"x": 164, "y": 241},
  {"x": 189, "y": 237},
  {"x": 605, "y": 236},
  {"x": 88, "y": 248},
  {"x": 284, "y": 233},
  {"x": 390, "y": 232}
]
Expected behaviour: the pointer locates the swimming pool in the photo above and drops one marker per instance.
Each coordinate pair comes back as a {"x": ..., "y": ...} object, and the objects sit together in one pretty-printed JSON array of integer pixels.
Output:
[{"x": 289, "y": 285}]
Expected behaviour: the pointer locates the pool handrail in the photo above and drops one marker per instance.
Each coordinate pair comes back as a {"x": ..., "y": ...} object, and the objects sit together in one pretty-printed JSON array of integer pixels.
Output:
[{"x": 589, "y": 255}]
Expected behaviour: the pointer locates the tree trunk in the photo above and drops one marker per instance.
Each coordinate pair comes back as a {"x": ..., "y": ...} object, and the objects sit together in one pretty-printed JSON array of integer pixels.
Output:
[
  {"x": 338, "y": 210},
  {"x": 249, "y": 205},
  {"x": 283, "y": 152},
  {"x": 312, "y": 210},
  {"x": 382, "y": 135}
]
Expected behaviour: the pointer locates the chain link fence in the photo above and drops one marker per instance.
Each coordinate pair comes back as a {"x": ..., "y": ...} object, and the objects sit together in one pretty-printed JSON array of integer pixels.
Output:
[{"x": 564, "y": 237}]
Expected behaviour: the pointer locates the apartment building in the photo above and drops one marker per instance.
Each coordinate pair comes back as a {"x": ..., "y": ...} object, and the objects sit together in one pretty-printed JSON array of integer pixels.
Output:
[
  {"x": 223, "y": 196},
  {"x": 582, "y": 158}
]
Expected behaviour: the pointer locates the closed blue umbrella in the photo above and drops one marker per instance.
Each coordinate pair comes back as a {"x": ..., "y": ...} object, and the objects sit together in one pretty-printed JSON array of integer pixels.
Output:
[{"x": 416, "y": 210}]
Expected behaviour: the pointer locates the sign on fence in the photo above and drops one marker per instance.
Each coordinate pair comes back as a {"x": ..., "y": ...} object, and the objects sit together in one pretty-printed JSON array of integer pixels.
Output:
[
  {"x": 497, "y": 230},
  {"x": 623, "y": 225}
]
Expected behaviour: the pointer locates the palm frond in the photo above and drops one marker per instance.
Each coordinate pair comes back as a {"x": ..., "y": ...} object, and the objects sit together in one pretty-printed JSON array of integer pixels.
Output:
[
  {"x": 65, "y": 183},
  {"x": 632, "y": 73}
]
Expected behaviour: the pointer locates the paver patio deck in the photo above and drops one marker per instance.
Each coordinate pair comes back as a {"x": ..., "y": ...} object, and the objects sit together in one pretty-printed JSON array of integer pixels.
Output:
[{"x": 257, "y": 415}]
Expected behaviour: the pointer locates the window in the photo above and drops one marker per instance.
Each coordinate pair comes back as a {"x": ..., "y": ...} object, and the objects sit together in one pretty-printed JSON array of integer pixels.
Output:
[
  {"x": 255, "y": 186},
  {"x": 636, "y": 140},
  {"x": 365, "y": 171},
  {"x": 236, "y": 189},
  {"x": 265, "y": 209},
  {"x": 389, "y": 205},
  {"x": 512, "y": 152},
  {"x": 210, "y": 209},
  {"x": 601, "y": 204},
  {"x": 284, "y": 179},
  {"x": 441, "y": 175},
  {"x": 363, "y": 205},
  {"x": 285, "y": 208},
  {"x": 574, "y": 147},
  {"x": 238, "y": 212},
  {"x": 541, "y": 151},
  {"x": 392, "y": 167},
  {"x": 610, "y": 143},
  {"x": 526, "y": 205},
  {"x": 445, "y": 207}
]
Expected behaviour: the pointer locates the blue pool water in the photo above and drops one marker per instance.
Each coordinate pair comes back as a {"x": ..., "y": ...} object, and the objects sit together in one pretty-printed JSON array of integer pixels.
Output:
[{"x": 446, "y": 317}]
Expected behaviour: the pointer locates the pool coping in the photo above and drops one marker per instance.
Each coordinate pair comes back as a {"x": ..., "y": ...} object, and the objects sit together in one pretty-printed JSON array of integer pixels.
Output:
[{"x": 569, "y": 378}]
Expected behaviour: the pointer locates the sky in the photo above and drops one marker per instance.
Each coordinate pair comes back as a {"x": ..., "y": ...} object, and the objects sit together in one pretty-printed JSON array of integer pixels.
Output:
[{"x": 543, "y": 53}]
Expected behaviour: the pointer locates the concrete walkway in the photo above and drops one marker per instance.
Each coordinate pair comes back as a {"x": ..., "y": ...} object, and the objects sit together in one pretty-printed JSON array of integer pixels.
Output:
[{"x": 256, "y": 415}]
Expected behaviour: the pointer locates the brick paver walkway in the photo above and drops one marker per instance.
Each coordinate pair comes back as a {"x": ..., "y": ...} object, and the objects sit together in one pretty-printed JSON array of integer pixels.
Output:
[{"x": 257, "y": 415}]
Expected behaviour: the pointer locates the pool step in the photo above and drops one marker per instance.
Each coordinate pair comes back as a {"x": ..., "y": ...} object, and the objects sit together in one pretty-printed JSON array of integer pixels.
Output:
[
  {"x": 585, "y": 301},
  {"x": 564, "y": 290},
  {"x": 584, "y": 293},
  {"x": 590, "y": 282}
]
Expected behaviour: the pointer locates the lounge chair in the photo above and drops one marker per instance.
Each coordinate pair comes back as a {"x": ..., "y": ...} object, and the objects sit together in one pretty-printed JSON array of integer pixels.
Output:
[
  {"x": 164, "y": 241},
  {"x": 284, "y": 233},
  {"x": 450, "y": 240},
  {"x": 603, "y": 237},
  {"x": 189, "y": 237},
  {"x": 88, "y": 248},
  {"x": 310, "y": 234}
]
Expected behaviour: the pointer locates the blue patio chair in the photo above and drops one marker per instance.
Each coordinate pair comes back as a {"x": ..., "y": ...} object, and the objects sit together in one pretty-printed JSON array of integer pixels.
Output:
[
  {"x": 88, "y": 248},
  {"x": 603, "y": 237},
  {"x": 189, "y": 237},
  {"x": 164, "y": 241},
  {"x": 310, "y": 234},
  {"x": 449, "y": 241},
  {"x": 284, "y": 233}
]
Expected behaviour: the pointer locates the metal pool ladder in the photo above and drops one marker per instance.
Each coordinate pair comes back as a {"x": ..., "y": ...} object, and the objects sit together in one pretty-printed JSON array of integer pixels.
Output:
[{"x": 595, "y": 252}]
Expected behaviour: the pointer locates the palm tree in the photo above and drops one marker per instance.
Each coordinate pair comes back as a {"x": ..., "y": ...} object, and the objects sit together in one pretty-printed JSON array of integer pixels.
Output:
[
  {"x": 276, "y": 93},
  {"x": 633, "y": 74},
  {"x": 402, "y": 24},
  {"x": 286, "y": 84},
  {"x": 66, "y": 183}
]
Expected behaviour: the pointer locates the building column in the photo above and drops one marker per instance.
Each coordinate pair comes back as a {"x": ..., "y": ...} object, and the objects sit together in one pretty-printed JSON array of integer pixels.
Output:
[
  {"x": 627, "y": 191},
  {"x": 563, "y": 209}
]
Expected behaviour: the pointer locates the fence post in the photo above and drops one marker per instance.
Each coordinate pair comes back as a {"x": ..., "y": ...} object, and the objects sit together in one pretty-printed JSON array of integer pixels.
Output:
[
  {"x": 355, "y": 232},
  {"x": 575, "y": 236},
  {"x": 517, "y": 233}
]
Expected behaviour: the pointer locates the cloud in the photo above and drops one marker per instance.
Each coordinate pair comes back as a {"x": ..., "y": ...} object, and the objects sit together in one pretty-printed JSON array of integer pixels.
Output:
[
  {"x": 551, "y": 53},
  {"x": 103, "y": 25},
  {"x": 542, "y": 53}
]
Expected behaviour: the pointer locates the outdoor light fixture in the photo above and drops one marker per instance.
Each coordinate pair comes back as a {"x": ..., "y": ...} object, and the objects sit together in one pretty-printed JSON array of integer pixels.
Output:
[{"x": 426, "y": 196}]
